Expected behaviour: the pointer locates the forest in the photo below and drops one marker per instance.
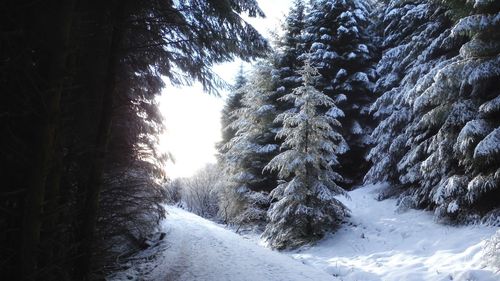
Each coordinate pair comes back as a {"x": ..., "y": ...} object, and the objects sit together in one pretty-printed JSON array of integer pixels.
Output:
[
  {"x": 404, "y": 92},
  {"x": 347, "y": 94}
]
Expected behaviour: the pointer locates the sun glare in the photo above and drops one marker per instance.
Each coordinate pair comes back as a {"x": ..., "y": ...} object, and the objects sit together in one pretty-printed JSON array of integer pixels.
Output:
[
  {"x": 192, "y": 120},
  {"x": 192, "y": 117}
]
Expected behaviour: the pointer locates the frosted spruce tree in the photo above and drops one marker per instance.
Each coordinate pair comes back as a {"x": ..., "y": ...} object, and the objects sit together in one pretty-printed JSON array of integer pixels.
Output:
[
  {"x": 339, "y": 38},
  {"x": 288, "y": 50},
  {"x": 439, "y": 138},
  {"x": 408, "y": 31},
  {"x": 249, "y": 133},
  {"x": 245, "y": 198},
  {"x": 305, "y": 206},
  {"x": 233, "y": 103},
  {"x": 459, "y": 122}
]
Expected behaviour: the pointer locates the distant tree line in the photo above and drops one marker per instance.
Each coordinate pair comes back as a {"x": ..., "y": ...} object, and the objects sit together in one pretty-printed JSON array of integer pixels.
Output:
[{"x": 81, "y": 171}]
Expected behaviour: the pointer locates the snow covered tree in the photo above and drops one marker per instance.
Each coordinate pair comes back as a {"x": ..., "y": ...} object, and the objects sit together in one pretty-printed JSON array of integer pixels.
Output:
[
  {"x": 491, "y": 251},
  {"x": 233, "y": 103},
  {"x": 458, "y": 9},
  {"x": 339, "y": 39},
  {"x": 440, "y": 109},
  {"x": 83, "y": 130},
  {"x": 249, "y": 133},
  {"x": 305, "y": 206},
  {"x": 200, "y": 192},
  {"x": 288, "y": 50},
  {"x": 408, "y": 29},
  {"x": 461, "y": 107},
  {"x": 244, "y": 198}
]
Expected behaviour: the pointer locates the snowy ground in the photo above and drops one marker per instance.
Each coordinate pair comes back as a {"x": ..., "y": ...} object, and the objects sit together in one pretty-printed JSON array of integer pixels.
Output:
[
  {"x": 378, "y": 244},
  {"x": 384, "y": 245}
]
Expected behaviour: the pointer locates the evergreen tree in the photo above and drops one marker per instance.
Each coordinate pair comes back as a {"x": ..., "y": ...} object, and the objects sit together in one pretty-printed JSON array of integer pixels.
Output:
[
  {"x": 305, "y": 206},
  {"x": 145, "y": 45},
  {"x": 442, "y": 117},
  {"x": 132, "y": 192},
  {"x": 339, "y": 40},
  {"x": 408, "y": 29},
  {"x": 233, "y": 103},
  {"x": 246, "y": 154},
  {"x": 288, "y": 50},
  {"x": 249, "y": 139},
  {"x": 81, "y": 132}
]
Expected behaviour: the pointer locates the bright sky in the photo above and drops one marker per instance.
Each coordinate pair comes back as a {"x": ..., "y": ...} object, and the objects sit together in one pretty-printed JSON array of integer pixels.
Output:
[{"x": 192, "y": 117}]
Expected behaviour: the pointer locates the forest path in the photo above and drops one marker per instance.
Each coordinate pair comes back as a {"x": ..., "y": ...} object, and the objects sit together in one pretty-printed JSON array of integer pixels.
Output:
[{"x": 200, "y": 250}]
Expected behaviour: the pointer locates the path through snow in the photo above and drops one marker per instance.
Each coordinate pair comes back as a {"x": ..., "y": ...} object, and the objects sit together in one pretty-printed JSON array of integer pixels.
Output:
[
  {"x": 378, "y": 244},
  {"x": 200, "y": 250}
]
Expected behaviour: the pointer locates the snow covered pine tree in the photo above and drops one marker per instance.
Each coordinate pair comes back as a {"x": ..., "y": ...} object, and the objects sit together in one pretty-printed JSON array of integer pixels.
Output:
[
  {"x": 233, "y": 103},
  {"x": 305, "y": 206},
  {"x": 289, "y": 48},
  {"x": 339, "y": 39},
  {"x": 439, "y": 136},
  {"x": 249, "y": 132},
  {"x": 245, "y": 199}
]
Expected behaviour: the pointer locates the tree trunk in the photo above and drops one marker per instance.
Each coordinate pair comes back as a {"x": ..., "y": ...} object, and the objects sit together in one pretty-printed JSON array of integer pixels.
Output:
[
  {"x": 94, "y": 183},
  {"x": 52, "y": 210},
  {"x": 56, "y": 52}
]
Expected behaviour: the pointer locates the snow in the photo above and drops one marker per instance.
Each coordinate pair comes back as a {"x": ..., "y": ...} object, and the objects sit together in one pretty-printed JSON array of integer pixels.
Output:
[
  {"x": 342, "y": 30},
  {"x": 377, "y": 243},
  {"x": 491, "y": 249},
  {"x": 351, "y": 56},
  {"x": 481, "y": 3},
  {"x": 268, "y": 148},
  {"x": 453, "y": 207},
  {"x": 476, "y": 23},
  {"x": 480, "y": 185},
  {"x": 356, "y": 128},
  {"x": 361, "y": 77},
  {"x": 317, "y": 46},
  {"x": 326, "y": 37},
  {"x": 470, "y": 131},
  {"x": 381, "y": 244},
  {"x": 489, "y": 146},
  {"x": 363, "y": 48},
  {"x": 200, "y": 250},
  {"x": 330, "y": 55},
  {"x": 491, "y": 106},
  {"x": 335, "y": 112}
]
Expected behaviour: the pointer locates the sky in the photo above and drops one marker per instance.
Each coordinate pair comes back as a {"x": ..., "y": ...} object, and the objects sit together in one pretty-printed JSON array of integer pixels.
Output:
[{"x": 192, "y": 117}]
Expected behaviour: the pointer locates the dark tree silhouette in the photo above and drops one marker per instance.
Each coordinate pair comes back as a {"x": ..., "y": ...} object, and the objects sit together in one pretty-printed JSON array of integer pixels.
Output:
[{"x": 79, "y": 81}]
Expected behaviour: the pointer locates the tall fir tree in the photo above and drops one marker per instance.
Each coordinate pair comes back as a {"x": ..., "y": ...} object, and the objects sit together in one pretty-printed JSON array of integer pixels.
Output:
[
  {"x": 407, "y": 30},
  {"x": 232, "y": 103},
  {"x": 288, "y": 50},
  {"x": 439, "y": 106},
  {"x": 244, "y": 157},
  {"x": 86, "y": 123},
  {"x": 249, "y": 138},
  {"x": 339, "y": 39},
  {"x": 305, "y": 206}
]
